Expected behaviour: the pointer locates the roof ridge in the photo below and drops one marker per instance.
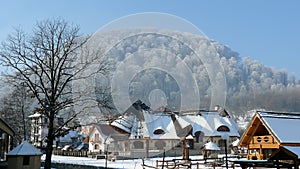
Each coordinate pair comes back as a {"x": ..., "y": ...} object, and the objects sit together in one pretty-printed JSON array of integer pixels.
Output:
[{"x": 286, "y": 115}]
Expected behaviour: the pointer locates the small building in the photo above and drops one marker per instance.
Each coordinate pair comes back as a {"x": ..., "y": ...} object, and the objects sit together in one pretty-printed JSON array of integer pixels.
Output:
[
  {"x": 210, "y": 150},
  {"x": 24, "y": 156},
  {"x": 269, "y": 132}
]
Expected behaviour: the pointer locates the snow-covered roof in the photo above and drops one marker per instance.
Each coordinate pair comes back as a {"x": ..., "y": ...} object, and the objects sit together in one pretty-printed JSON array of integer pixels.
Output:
[
  {"x": 125, "y": 123},
  {"x": 80, "y": 146},
  {"x": 73, "y": 134},
  {"x": 68, "y": 137},
  {"x": 215, "y": 121},
  {"x": 209, "y": 122},
  {"x": 276, "y": 121},
  {"x": 160, "y": 122},
  {"x": 25, "y": 149},
  {"x": 169, "y": 125},
  {"x": 235, "y": 143},
  {"x": 199, "y": 123},
  {"x": 211, "y": 146},
  {"x": 35, "y": 115}
]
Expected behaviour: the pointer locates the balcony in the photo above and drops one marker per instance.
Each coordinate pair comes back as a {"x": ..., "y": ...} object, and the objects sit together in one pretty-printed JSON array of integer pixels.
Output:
[{"x": 266, "y": 141}]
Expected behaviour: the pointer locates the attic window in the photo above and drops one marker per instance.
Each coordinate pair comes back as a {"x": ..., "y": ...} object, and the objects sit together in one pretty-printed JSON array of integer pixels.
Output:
[
  {"x": 223, "y": 129},
  {"x": 158, "y": 131}
]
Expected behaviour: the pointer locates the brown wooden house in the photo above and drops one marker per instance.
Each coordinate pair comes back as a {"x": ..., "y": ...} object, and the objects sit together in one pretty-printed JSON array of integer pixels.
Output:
[{"x": 268, "y": 132}]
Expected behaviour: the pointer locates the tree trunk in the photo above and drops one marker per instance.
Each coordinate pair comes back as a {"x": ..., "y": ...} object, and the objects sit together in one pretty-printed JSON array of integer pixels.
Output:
[{"x": 50, "y": 139}]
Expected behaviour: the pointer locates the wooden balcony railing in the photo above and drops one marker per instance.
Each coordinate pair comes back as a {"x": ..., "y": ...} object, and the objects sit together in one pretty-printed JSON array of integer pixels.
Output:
[
  {"x": 267, "y": 139},
  {"x": 264, "y": 142}
]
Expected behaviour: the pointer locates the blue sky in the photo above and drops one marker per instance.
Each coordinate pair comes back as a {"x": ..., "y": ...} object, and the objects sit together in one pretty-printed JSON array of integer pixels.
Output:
[{"x": 267, "y": 31}]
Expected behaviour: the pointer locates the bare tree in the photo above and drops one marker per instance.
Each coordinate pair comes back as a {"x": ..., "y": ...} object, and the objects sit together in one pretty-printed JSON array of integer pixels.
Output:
[{"x": 48, "y": 62}]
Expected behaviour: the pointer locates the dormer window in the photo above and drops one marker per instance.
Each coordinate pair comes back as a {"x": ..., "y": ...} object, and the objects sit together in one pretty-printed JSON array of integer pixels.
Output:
[
  {"x": 159, "y": 132},
  {"x": 223, "y": 129}
]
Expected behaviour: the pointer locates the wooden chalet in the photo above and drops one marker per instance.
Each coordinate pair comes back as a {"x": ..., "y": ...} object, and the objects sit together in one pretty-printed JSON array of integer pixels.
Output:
[{"x": 270, "y": 133}]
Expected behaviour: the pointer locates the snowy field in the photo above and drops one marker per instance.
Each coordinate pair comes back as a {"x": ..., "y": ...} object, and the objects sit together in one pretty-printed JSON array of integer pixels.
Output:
[
  {"x": 130, "y": 164},
  {"x": 120, "y": 164}
]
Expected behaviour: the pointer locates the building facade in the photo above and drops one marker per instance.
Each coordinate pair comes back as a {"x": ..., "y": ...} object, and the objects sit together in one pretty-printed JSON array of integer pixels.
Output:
[{"x": 39, "y": 128}]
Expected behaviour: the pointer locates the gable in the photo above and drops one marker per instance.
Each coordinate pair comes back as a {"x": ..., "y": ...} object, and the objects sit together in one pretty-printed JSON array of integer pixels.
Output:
[
  {"x": 94, "y": 132},
  {"x": 257, "y": 127}
]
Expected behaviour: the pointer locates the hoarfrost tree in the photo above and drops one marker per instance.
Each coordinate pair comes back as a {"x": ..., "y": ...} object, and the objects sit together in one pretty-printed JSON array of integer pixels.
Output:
[
  {"x": 48, "y": 61},
  {"x": 14, "y": 110}
]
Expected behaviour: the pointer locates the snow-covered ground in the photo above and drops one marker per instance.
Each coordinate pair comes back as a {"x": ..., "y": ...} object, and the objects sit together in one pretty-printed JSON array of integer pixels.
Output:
[
  {"x": 120, "y": 164},
  {"x": 136, "y": 163}
]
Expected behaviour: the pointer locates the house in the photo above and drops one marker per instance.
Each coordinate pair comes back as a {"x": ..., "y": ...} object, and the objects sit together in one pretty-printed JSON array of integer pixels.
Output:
[
  {"x": 150, "y": 133},
  {"x": 271, "y": 132},
  {"x": 99, "y": 136},
  {"x": 39, "y": 128},
  {"x": 6, "y": 139}
]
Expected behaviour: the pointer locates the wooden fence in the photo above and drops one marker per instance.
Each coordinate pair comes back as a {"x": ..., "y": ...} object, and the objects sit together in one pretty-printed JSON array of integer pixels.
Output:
[
  {"x": 186, "y": 164},
  {"x": 81, "y": 153}
]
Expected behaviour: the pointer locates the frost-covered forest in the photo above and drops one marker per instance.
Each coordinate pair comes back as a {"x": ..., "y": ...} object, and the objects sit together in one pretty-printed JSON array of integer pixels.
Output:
[
  {"x": 178, "y": 70},
  {"x": 149, "y": 61}
]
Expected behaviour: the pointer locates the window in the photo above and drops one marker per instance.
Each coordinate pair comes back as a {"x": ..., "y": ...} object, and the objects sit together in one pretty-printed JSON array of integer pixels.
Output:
[
  {"x": 158, "y": 131},
  {"x": 96, "y": 147},
  {"x": 36, "y": 139},
  {"x": 199, "y": 136},
  {"x": 160, "y": 145},
  {"x": 223, "y": 129},
  {"x": 36, "y": 121},
  {"x": 45, "y": 120},
  {"x": 127, "y": 147},
  {"x": 97, "y": 137},
  {"x": 138, "y": 145},
  {"x": 221, "y": 143},
  {"x": 26, "y": 160}
]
